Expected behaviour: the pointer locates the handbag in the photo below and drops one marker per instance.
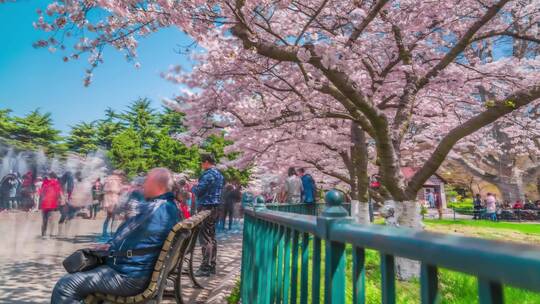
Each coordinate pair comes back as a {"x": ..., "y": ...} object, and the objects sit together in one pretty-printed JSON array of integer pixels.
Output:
[
  {"x": 88, "y": 259},
  {"x": 84, "y": 260}
]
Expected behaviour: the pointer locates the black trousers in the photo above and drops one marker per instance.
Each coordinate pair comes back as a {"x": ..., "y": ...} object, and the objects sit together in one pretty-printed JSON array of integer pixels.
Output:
[
  {"x": 228, "y": 210},
  {"x": 73, "y": 288},
  {"x": 207, "y": 238}
]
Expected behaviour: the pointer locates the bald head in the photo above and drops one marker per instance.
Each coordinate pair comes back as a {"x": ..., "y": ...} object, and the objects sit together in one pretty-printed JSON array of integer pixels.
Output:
[{"x": 159, "y": 181}]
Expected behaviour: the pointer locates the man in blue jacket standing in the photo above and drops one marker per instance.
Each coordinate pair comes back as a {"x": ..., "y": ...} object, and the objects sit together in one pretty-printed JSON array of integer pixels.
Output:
[
  {"x": 133, "y": 249},
  {"x": 208, "y": 192},
  {"x": 309, "y": 193}
]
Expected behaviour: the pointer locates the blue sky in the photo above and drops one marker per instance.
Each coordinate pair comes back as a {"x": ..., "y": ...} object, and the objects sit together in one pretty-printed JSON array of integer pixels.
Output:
[{"x": 35, "y": 78}]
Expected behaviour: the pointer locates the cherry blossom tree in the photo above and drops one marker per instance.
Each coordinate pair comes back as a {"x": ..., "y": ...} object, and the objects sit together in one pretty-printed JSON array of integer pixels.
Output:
[
  {"x": 505, "y": 154},
  {"x": 399, "y": 71}
]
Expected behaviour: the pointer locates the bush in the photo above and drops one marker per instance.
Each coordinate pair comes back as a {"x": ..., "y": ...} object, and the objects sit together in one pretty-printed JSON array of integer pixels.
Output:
[
  {"x": 464, "y": 204},
  {"x": 234, "y": 297}
]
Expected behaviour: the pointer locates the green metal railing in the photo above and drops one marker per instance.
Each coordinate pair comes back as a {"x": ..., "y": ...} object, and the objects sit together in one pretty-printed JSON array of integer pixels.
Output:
[
  {"x": 281, "y": 248},
  {"x": 307, "y": 209}
]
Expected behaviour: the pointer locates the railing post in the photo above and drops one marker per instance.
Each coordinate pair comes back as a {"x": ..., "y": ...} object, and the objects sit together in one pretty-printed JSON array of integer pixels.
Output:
[
  {"x": 490, "y": 292},
  {"x": 429, "y": 282},
  {"x": 388, "y": 282},
  {"x": 305, "y": 269},
  {"x": 246, "y": 253},
  {"x": 260, "y": 253},
  {"x": 334, "y": 282}
]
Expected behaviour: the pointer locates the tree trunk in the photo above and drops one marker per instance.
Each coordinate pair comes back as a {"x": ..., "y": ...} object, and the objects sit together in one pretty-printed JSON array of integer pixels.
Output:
[
  {"x": 538, "y": 185},
  {"x": 360, "y": 212},
  {"x": 404, "y": 214},
  {"x": 359, "y": 175}
]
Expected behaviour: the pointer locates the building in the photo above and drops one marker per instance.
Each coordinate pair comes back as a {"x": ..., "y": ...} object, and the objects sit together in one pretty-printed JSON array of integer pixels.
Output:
[{"x": 434, "y": 184}]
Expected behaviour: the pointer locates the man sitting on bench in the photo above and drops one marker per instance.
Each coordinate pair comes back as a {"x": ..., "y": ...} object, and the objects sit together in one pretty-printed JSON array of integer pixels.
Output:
[{"x": 133, "y": 249}]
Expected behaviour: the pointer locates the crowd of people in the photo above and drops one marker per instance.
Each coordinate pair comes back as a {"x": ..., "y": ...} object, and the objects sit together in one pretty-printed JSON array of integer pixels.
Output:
[
  {"x": 491, "y": 208},
  {"x": 139, "y": 212}
]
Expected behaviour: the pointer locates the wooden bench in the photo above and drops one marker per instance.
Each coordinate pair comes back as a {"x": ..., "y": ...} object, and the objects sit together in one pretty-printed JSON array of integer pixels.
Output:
[{"x": 180, "y": 243}]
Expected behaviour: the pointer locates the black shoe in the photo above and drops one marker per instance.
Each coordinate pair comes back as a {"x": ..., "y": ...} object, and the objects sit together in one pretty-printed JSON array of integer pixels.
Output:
[
  {"x": 202, "y": 273},
  {"x": 212, "y": 270}
]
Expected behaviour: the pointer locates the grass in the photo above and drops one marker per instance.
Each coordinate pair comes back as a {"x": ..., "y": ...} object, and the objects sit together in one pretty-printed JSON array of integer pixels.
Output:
[
  {"x": 528, "y": 233},
  {"x": 454, "y": 287},
  {"x": 234, "y": 297}
]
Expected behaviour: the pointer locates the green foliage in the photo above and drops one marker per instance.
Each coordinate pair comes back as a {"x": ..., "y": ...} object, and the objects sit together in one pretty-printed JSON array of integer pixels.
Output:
[
  {"x": 108, "y": 128},
  {"x": 128, "y": 154},
  {"x": 6, "y": 123},
  {"x": 450, "y": 191},
  {"x": 234, "y": 297},
  {"x": 465, "y": 204},
  {"x": 172, "y": 121},
  {"x": 137, "y": 139},
  {"x": 30, "y": 132},
  {"x": 83, "y": 138},
  {"x": 170, "y": 153},
  {"x": 423, "y": 211}
]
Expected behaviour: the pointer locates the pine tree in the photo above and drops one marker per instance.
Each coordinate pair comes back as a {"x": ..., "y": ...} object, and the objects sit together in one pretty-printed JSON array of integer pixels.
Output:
[{"x": 83, "y": 138}]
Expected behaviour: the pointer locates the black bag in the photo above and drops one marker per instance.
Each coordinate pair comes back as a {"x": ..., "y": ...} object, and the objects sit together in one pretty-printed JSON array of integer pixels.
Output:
[
  {"x": 83, "y": 260},
  {"x": 87, "y": 259}
]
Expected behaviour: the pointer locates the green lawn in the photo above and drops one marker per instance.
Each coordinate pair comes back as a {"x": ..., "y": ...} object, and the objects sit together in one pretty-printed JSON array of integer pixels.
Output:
[
  {"x": 454, "y": 287},
  {"x": 504, "y": 231}
]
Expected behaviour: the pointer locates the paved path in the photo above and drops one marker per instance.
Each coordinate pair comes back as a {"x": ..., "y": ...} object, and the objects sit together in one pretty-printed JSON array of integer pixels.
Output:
[{"x": 30, "y": 266}]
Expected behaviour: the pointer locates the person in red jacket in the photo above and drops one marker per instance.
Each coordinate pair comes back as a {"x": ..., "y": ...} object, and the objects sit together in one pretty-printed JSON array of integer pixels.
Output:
[{"x": 51, "y": 195}]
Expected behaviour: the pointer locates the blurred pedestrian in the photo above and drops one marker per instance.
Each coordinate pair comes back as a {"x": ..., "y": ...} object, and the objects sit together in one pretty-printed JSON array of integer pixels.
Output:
[
  {"x": 112, "y": 188},
  {"x": 231, "y": 196},
  {"x": 50, "y": 200},
  {"x": 477, "y": 205},
  {"x": 97, "y": 198},
  {"x": 292, "y": 190}
]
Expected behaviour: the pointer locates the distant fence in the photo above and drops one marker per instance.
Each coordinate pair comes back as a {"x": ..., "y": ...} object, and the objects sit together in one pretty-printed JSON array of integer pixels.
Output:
[
  {"x": 306, "y": 209},
  {"x": 281, "y": 248}
]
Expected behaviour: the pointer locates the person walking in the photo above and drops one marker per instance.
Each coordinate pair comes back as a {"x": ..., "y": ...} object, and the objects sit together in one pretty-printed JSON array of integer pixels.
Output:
[
  {"x": 51, "y": 196},
  {"x": 68, "y": 184},
  {"x": 97, "y": 198},
  {"x": 208, "y": 192},
  {"x": 37, "y": 193},
  {"x": 231, "y": 196},
  {"x": 292, "y": 191},
  {"x": 13, "y": 184},
  {"x": 112, "y": 189},
  {"x": 27, "y": 191}
]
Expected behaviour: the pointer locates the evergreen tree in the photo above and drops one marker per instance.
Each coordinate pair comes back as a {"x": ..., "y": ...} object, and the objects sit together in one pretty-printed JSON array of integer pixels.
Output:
[
  {"x": 36, "y": 130},
  {"x": 83, "y": 138},
  {"x": 108, "y": 128},
  {"x": 128, "y": 154},
  {"x": 143, "y": 119},
  {"x": 172, "y": 121},
  {"x": 6, "y": 124}
]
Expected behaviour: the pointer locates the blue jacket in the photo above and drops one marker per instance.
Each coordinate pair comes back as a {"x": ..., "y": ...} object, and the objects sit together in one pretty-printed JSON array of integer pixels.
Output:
[
  {"x": 209, "y": 188},
  {"x": 149, "y": 227},
  {"x": 308, "y": 184}
]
